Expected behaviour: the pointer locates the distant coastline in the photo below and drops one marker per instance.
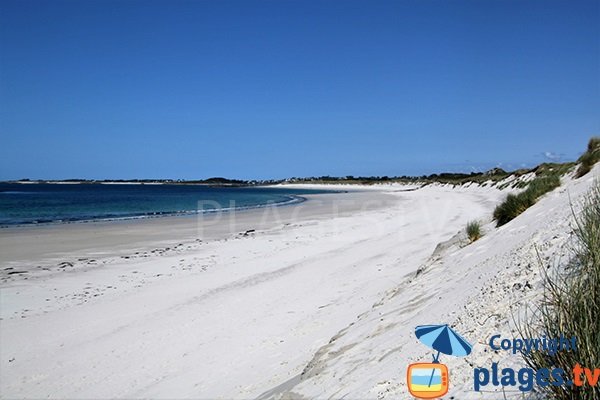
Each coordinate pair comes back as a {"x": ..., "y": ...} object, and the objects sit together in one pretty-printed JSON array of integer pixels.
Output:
[{"x": 494, "y": 174}]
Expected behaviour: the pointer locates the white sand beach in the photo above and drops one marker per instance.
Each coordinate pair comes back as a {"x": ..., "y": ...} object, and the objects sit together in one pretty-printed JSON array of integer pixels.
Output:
[{"x": 313, "y": 300}]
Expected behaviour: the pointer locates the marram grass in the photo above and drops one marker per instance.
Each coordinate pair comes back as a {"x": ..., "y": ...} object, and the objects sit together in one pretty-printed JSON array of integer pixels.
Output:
[
  {"x": 571, "y": 307},
  {"x": 473, "y": 230},
  {"x": 515, "y": 204}
]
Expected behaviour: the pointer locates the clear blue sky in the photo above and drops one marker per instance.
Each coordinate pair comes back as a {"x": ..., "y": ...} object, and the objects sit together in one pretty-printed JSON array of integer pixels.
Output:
[{"x": 272, "y": 89}]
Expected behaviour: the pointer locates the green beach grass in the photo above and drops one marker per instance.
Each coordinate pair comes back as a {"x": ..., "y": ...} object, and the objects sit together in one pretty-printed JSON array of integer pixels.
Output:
[
  {"x": 571, "y": 306},
  {"x": 473, "y": 230},
  {"x": 515, "y": 204},
  {"x": 589, "y": 158}
]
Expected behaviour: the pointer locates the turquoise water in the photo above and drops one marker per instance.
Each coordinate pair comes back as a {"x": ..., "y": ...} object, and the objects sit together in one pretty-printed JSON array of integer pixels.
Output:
[{"x": 45, "y": 203}]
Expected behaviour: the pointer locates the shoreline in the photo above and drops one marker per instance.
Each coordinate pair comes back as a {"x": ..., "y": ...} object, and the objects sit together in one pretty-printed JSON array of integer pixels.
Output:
[{"x": 49, "y": 244}]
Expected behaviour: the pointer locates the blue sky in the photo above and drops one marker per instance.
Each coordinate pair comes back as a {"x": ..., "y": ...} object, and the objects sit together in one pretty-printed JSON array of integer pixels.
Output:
[{"x": 273, "y": 89}]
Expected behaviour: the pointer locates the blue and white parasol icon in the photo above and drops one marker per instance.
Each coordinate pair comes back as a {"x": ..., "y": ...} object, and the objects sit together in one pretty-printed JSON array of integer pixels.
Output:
[{"x": 444, "y": 340}]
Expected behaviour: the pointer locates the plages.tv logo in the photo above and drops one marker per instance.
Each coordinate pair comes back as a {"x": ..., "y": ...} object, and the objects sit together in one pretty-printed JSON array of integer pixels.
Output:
[{"x": 428, "y": 380}]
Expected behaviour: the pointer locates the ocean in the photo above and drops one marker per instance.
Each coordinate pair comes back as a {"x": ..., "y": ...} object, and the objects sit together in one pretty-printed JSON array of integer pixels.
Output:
[{"x": 41, "y": 203}]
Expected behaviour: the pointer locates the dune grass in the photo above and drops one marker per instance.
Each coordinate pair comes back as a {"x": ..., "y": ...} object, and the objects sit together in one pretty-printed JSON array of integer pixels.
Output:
[
  {"x": 589, "y": 158},
  {"x": 545, "y": 169},
  {"x": 515, "y": 204},
  {"x": 571, "y": 306},
  {"x": 473, "y": 230}
]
